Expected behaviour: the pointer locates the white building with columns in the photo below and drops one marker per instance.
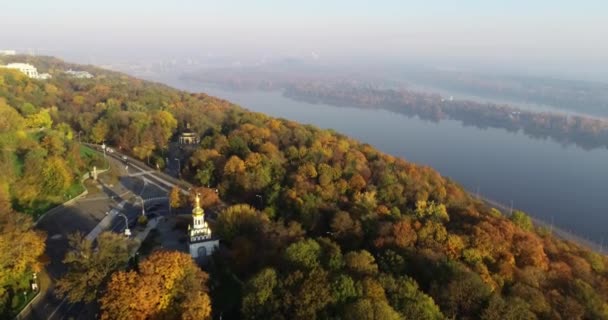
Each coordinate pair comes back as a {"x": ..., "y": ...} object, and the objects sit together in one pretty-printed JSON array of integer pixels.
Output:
[
  {"x": 202, "y": 244},
  {"x": 29, "y": 70}
]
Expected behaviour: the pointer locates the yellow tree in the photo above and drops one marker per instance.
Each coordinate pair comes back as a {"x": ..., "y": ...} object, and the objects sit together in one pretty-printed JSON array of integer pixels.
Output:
[
  {"x": 56, "y": 176},
  {"x": 163, "y": 126},
  {"x": 41, "y": 119},
  {"x": 196, "y": 306},
  {"x": 99, "y": 131},
  {"x": 208, "y": 196},
  {"x": 144, "y": 149},
  {"x": 175, "y": 197},
  {"x": 169, "y": 285},
  {"x": 21, "y": 247}
]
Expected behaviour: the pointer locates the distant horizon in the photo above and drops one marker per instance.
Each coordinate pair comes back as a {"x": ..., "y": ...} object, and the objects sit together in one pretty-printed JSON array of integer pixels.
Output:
[
  {"x": 541, "y": 38},
  {"x": 121, "y": 64}
]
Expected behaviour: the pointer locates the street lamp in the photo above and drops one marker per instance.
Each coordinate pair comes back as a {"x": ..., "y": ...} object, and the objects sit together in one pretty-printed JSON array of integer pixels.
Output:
[
  {"x": 143, "y": 205},
  {"x": 34, "y": 282},
  {"x": 103, "y": 147},
  {"x": 179, "y": 167},
  {"x": 127, "y": 231}
]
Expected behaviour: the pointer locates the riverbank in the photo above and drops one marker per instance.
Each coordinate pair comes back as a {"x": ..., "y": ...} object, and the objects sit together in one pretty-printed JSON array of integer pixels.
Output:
[{"x": 558, "y": 232}]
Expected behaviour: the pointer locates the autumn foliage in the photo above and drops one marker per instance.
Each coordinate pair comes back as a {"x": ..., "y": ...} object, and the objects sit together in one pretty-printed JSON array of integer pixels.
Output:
[
  {"x": 167, "y": 285},
  {"x": 322, "y": 226}
]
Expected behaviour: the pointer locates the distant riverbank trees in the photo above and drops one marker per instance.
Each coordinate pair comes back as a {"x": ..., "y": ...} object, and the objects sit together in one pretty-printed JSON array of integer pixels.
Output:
[{"x": 586, "y": 132}]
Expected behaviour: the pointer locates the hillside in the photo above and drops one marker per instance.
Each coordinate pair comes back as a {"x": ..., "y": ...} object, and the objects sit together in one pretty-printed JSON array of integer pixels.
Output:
[{"x": 322, "y": 225}]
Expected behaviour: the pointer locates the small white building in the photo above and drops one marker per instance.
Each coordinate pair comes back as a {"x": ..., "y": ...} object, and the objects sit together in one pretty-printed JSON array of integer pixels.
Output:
[
  {"x": 202, "y": 244},
  {"x": 8, "y": 52},
  {"x": 79, "y": 74},
  {"x": 188, "y": 137},
  {"x": 29, "y": 70},
  {"x": 26, "y": 68}
]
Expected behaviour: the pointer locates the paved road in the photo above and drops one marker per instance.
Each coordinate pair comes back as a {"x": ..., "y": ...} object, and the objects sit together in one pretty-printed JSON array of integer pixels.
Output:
[{"x": 134, "y": 184}]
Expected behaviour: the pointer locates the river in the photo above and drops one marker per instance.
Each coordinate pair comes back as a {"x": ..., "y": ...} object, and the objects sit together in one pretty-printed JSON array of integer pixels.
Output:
[{"x": 563, "y": 185}]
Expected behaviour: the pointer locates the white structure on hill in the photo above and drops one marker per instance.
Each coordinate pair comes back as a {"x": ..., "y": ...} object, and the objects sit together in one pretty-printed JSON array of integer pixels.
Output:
[
  {"x": 8, "y": 52},
  {"x": 29, "y": 70},
  {"x": 201, "y": 242},
  {"x": 79, "y": 74},
  {"x": 188, "y": 137}
]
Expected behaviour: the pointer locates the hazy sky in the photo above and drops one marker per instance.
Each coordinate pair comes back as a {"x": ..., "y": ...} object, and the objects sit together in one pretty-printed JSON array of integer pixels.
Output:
[{"x": 539, "y": 35}]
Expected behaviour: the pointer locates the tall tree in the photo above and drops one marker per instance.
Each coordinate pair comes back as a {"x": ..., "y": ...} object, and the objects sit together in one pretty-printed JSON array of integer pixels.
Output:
[
  {"x": 168, "y": 285},
  {"x": 89, "y": 267},
  {"x": 21, "y": 247},
  {"x": 175, "y": 197}
]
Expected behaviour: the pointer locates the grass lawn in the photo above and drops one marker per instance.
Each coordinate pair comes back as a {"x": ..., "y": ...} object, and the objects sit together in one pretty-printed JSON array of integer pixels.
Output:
[
  {"x": 75, "y": 189},
  {"x": 39, "y": 207},
  {"x": 19, "y": 295},
  {"x": 92, "y": 158},
  {"x": 86, "y": 152},
  {"x": 20, "y": 300}
]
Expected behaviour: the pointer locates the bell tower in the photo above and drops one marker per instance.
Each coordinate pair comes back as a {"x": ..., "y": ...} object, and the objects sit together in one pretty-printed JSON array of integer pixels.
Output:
[{"x": 202, "y": 244}]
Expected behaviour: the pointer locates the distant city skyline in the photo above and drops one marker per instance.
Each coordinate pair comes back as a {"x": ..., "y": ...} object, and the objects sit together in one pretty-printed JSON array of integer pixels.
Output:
[{"x": 539, "y": 37}]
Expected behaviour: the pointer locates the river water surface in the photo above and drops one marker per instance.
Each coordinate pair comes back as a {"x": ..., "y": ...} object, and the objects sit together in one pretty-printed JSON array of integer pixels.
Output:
[{"x": 563, "y": 185}]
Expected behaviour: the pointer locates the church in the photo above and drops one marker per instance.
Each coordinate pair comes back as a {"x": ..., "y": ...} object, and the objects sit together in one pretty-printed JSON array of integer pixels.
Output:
[
  {"x": 202, "y": 244},
  {"x": 188, "y": 137}
]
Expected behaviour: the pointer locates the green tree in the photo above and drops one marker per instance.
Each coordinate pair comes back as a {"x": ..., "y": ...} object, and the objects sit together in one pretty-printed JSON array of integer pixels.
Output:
[
  {"x": 305, "y": 294},
  {"x": 511, "y": 309},
  {"x": 99, "y": 132},
  {"x": 595, "y": 307},
  {"x": 304, "y": 254},
  {"x": 10, "y": 119},
  {"x": 361, "y": 263},
  {"x": 343, "y": 288},
  {"x": 89, "y": 267},
  {"x": 367, "y": 309},
  {"x": 405, "y": 296},
  {"x": 259, "y": 300},
  {"x": 240, "y": 219},
  {"x": 463, "y": 296},
  {"x": 522, "y": 220}
]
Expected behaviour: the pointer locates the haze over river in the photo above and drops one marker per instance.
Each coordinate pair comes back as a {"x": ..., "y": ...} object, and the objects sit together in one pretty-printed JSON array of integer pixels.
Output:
[{"x": 560, "y": 184}]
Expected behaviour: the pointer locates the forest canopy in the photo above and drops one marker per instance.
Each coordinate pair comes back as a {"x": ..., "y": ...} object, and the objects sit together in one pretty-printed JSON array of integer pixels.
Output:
[{"x": 320, "y": 225}]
